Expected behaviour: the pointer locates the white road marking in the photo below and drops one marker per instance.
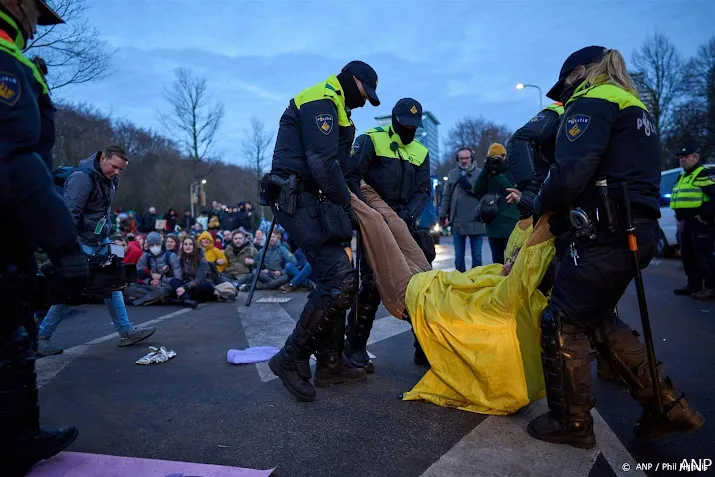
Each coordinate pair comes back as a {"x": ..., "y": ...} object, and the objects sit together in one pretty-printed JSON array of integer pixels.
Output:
[
  {"x": 50, "y": 366},
  {"x": 500, "y": 446}
]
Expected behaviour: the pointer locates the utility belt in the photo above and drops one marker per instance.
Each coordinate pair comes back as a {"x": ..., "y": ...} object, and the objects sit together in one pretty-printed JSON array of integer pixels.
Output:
[{"x": 607, "y": 217}]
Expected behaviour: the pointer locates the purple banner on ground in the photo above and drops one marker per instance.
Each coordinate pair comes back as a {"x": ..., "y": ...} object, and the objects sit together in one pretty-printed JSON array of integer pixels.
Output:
[{"x": 79, "y": 464}]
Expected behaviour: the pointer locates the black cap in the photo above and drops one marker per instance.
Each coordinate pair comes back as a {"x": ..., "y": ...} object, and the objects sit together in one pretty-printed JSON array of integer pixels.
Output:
[
  {"x": 367, "y": 77},
  {"x": 584, "y": 56},
  {"x": 408, "y": 112},
  {"x": 688, "y": 149},
  {"x": 47, "y": 16}
]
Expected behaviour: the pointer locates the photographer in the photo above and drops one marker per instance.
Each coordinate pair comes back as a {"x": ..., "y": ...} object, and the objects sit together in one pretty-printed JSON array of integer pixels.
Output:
[
  {"x": 88, "y": 194},
  {"x": 491, "y": 186}
]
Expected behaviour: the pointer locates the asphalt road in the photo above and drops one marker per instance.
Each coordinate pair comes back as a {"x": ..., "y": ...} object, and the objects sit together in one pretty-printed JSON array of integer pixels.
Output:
[{"x": 199, "y": 408}]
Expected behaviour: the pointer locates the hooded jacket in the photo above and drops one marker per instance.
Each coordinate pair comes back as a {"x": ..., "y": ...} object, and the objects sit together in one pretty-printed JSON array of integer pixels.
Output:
[
  {"x": 89, "y": 200},
  {"x": 237, "y": 261},
  {"x": 149, "y": 264},
  {"x": 211, "y": 252}
]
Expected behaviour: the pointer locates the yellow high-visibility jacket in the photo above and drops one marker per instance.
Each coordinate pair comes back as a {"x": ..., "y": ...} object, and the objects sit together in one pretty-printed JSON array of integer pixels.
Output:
[{"x": 481, "y": 330}]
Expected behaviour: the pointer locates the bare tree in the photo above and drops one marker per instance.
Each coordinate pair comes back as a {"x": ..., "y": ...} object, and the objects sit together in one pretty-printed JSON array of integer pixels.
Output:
[
  {"x": 73, "y": 51},
  {"x": 659, "y": 75},
  {"x": 476, "y": 134},
  {"x": 254, "y": 146},
  {"x": 192, "y": 120}
]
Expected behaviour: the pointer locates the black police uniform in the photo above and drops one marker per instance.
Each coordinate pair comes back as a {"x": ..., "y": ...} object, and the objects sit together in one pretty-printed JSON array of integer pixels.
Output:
[
  {"x": 397, "y": 166},
  {"x": 530, "y": 154},
  {"x": 607, "y": 133},
  {"x": 29, "y": 200},
  {"x": 313, "y": 206}
]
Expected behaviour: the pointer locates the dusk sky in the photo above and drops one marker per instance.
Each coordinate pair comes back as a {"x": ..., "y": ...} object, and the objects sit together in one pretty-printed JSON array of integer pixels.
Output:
[{"x": 457, "y": 58}]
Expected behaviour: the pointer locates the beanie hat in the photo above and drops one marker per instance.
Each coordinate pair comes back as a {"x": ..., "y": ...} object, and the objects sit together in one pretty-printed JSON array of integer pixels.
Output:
[
  {"x": 174, "y": 237},
  {"x": 153, "y": 238},
  {"x": 496, "y": 149}
]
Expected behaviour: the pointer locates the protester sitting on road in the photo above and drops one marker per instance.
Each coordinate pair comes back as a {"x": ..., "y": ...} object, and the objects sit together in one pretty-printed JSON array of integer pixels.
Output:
[
  {"x": 299, "y": 272},
  {"x": 171, "y": 242},
  {"x": 212, "y": 253},
  {"x": 133, "y": 251},
  {"x": 259, "y": 241},
  {"x": 274, "y": 274},
  {"x": 227, "y": 238},
  {"x": 196, "y": 284},
  {"x": 479, "y": 329},
  {"x": 240, "y": 255},
  {"x": 158, "y": 266}
]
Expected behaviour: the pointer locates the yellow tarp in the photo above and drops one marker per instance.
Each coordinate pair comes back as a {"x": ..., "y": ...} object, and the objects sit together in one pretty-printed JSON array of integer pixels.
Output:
[{"x": 480, "y": 330}]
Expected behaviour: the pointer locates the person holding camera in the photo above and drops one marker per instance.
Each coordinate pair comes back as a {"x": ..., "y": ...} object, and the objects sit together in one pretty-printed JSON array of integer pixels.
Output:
[
  {"x": 491, "y": 187},
  {"x": 88, "y": 193}
]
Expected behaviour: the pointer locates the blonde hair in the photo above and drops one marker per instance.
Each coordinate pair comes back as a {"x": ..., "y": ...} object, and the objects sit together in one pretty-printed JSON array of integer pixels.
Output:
[{"x": 614, "y": 67}]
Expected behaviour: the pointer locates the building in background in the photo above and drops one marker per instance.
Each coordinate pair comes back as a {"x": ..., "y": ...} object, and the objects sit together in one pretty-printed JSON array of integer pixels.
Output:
[{"x": 428, "y": 134}]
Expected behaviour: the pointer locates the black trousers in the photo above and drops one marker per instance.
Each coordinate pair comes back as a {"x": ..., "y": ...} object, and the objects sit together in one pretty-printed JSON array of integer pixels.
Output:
[{"x": 697, "y": 245}]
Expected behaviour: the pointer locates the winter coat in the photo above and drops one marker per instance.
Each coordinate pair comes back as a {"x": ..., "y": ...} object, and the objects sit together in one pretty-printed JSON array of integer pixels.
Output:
[
  {"x": 212, "y": 253},
  {"x": 276, "y": 258},
  {"x": 237, "y": 261},
  {"x": 459, "y": 205},
  {"x": 89, "y": 200},
  {"x": 149, "y": 264},
  {"x": 503, "y": 224}
]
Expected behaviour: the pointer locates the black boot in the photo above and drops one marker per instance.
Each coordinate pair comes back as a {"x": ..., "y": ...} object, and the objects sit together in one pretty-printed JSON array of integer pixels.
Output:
[
  {"x": 619, "y": 346},
  {"x": 331, "y": 371},
  {"x": 360, "y": 324},
  {"x": 565, "y": 359},
  {"x": 291, "y": 363},
  {"x": 22, "y": 442}
]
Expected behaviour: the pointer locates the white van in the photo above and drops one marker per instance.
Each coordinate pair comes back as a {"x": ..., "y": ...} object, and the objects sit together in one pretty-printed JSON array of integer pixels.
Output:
[{"x": 668, "y": 225}]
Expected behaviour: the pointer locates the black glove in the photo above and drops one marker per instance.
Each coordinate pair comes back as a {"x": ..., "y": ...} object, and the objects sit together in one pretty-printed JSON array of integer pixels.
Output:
[
  {"x": 405, "y": 215},
  {"x": 526, "y": 204},
  {"x": 464, "y": 184},
  {"x": 559, "y": 224},
  {"x": 354, "y": 221},
  {"x": 67, "y": 281}
]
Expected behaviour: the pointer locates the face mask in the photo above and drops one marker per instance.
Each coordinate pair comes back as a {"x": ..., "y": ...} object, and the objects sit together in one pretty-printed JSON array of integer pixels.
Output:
[
  {"x": 567, "y": 93},
  {"x": 407, "y": 135},
  {"x": 155, "y": 249},
  {"x": 353, "y": 96}
]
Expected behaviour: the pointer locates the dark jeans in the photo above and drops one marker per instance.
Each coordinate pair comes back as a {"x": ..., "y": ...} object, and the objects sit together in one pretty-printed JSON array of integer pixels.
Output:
[
  {"x": 460, "y": 242},
  {"x": 697, "y": 244},
  {"x": 204, "y": 291},
  {"x": 497, "y": 246}
]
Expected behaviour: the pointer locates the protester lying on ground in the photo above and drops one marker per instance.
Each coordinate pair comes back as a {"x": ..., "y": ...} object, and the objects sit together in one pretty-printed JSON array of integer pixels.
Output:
[
  {"x": 212, "y": 253},
  {"x": 196, "y": 285},
  {"x": 479, "y": 329},
  {"x": 240, "y": 255}
]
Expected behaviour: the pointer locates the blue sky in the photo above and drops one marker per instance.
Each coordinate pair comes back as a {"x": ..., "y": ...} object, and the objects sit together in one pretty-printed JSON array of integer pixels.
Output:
[{"x": 457, "y": 58}]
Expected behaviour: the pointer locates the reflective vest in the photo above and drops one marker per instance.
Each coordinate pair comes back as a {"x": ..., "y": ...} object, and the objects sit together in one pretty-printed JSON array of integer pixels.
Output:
[
  {"x": 687, "y": 193},
  {"x": 610, "y": 92},
  {"x": 14, "y": 49},
  {"x": 415, "y": 153},
  {"x": 557, "y": 107},
  {"x": 325, "y": 90}
]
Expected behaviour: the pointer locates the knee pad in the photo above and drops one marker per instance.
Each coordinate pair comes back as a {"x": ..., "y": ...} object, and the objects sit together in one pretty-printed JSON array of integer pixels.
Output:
[
  {"x": 369, "y": 295},
  {"x": 344, "y": 296}
]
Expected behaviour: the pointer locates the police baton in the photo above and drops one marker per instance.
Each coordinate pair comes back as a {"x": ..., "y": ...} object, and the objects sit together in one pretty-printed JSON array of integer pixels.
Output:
[
  {"x": 640, "y": 290},
  {"x": 260, "y": 263}
]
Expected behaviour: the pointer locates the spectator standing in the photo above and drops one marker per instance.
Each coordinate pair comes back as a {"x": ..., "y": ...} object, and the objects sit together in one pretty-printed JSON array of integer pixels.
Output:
[
  {"x": 494, "y": 179},
  {"x": 148, "y": 221},
  {"x": 459, "y": 208},
  {"x": 187, "y": 221},
  {"x": 172, "y": 219}
]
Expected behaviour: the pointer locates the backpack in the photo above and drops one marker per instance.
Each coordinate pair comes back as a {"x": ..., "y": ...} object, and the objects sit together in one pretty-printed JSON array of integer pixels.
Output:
[{"x": 61, "y": 174}]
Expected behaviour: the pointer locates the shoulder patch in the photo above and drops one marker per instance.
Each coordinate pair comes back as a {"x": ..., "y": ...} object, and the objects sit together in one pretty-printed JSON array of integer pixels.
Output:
[
  {"x": 576, "y": 125},
  {"x": 324, "y": 123},
  {"x": 9, "y": 88},
  {"x": 537, "y": 118},
  {"x": 354, "y": 149}
]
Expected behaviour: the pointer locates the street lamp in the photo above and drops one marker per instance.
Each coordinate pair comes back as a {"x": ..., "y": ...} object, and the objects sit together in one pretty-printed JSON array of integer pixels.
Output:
[
  {"x": 193, "y": 192},
  {"x": 522, "y": 86}
]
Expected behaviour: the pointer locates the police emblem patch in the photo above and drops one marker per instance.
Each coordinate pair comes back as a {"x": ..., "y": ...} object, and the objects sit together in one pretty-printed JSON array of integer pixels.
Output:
[
  {"x": 537, "y": 118},
  {"x": 413, "y": 109},
  {"x": 9, "y": 88},
  {"x": 576, "y": 125},
  {"x": 354, "y": 149},
  {"x": 325, "y": 123}
]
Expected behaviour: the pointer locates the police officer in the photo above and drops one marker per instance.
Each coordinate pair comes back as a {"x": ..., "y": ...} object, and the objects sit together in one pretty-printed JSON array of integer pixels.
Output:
[
  {"x": 29, "y": 200},
  {"x": 311, "y": 201},
  {"x": 693, "y": 200},
  {"x": 607, "y": 133},
  {"x": 397, "y": 166},
  {"x": 530, "y": 153}
]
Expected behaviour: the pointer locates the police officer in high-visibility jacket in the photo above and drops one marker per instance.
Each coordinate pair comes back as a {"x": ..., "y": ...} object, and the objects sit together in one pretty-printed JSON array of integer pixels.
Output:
[
  {"x": 397, "y": 166},
  {"x": 530, "y": 153},
  {"x": 310, "y": 199},
  {"x": 606, "y": 134},
  {"x": 29, "y": 201},
  {"x": 693, "y": 200}
]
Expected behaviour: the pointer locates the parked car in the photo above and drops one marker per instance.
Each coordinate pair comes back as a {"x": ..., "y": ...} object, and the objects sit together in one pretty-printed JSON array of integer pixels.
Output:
[{"x": 668, "y": 240}]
